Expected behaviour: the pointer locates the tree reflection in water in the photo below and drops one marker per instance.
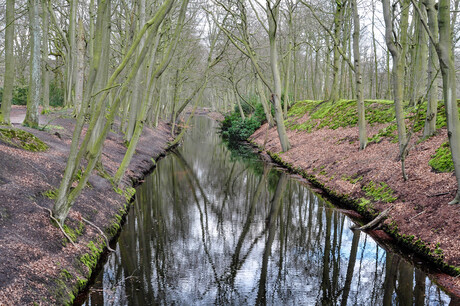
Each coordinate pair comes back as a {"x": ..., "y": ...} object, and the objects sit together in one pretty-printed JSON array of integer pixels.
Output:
[{"x": 213, "y": 227}]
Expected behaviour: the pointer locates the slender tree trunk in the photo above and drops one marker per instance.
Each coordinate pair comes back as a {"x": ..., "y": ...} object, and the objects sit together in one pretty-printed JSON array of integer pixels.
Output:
[
  {"x": 66, "y": 197},
  {"x": 33, "y": 98},
  {"x": 272, "y": 15},
  {"x": 71, "y": 53},
  {"x": 326, "y": 68},
  {"x": 374, "y": 47},
  {"x": 397, "y": 50},
  {"x": 359, "y": 80},
  {"x": 432, "y": 82},
  {"x": 264, "y": 101},
  {"x": 80, "y": 67},
  {"x": 446, "y": 61},
  {"x": 136, "y": 99},
  {"x": 9, "y": 64},
  {"x": 45, "y": 52},
  {"x": 336, "y": 60}
]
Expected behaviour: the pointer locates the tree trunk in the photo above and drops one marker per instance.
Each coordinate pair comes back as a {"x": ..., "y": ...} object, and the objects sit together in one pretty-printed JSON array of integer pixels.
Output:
[
  {"x": 33, "y": 97},
  {"x": 446, "y": 61},
  {"x": 136, "y": 98},
  {"x": 80, "y": 67},
  {"x": 272, "y": 15},
  {"x": 9, "y": 64},
  {"x": 45, "y": 52},
  {"x": 397, "y": 50},
  {"x": 66, "y": 197},
  {"x": 336, "y": 60},
  {"x": 359, "y": 80},
  {"x": 432, "y": 82}
]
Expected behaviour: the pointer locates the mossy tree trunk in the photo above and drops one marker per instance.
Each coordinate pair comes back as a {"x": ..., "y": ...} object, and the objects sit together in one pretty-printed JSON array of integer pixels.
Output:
[
  {"x": 398, "y": 54},
  {"x": 273, "y": 18},
  {"x": 45, "y": 53},
  {"x": 432, "y": 83},
  {"x": 446, "y": 62},
  {"x": 9, "y": 64},
  {"x": 67, "y": 197},
  {"x": 33, "y": 97}
]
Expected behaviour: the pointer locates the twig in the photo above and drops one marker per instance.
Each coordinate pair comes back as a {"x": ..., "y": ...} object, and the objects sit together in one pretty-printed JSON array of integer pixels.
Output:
[
  {"x": 438, "y": 194},
  {"x": 416, "y": 215},
  {"x": 57, "y": 222},
  {"x": 102, "y": 233}
]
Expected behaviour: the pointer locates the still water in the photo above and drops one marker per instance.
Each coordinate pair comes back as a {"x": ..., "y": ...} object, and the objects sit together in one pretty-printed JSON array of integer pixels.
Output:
[{"x": 216, "y": 226}]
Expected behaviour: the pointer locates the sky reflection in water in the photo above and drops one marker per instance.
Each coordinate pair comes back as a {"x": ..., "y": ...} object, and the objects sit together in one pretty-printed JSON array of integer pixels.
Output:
[{"x": 217, "y": 226}]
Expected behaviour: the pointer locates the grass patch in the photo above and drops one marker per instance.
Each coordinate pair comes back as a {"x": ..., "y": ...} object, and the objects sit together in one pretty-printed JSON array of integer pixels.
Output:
[
  {"x": 22, "y": 139},
  {"x": 441, "y": 161}
]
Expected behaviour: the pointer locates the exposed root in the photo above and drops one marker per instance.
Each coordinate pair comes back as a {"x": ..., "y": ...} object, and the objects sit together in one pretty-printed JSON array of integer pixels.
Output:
[
  {"x": 376, "y": 221},
  {"x": 102, "y": 233},
  {"x": 57, "y": 222}
]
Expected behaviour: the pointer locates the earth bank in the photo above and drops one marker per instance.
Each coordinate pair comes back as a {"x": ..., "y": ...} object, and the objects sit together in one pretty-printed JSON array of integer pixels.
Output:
[
  {"x": 38, "y": 265},
  {"x": 370, "y": 181}
]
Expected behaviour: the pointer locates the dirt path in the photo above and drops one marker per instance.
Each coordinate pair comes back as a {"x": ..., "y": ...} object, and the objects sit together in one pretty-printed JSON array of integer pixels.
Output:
[{"x": 37, "y": 265}]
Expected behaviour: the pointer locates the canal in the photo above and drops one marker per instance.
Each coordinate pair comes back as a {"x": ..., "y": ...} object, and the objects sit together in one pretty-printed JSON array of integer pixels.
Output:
[{"x": 218, "y": 226}]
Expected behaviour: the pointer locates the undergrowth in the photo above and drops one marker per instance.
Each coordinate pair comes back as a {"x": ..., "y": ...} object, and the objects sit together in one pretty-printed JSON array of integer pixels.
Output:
[{"x": 441, "y": 161}]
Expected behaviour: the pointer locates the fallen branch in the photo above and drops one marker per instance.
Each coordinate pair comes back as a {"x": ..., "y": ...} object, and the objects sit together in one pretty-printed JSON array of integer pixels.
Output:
[
  {"x": 438, "y": 194},
  {"x": 376, "y": 221},
  {"x": 102, "y": 233}
]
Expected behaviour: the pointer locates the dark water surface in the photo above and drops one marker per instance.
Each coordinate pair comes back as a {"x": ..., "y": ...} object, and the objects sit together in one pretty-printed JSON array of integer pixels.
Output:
[{"x": 214, "y": 226}]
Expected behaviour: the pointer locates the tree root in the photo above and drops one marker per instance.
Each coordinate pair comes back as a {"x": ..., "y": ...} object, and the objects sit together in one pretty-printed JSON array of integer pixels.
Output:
[
  {"x": 102, "y": 233},
  {"x": 57, "y": 222},
  {"x": 376, "y": 221}
]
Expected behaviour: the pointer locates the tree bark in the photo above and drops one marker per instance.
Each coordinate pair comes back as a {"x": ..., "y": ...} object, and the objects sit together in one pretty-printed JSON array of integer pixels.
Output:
[
  {"x": 446, "y": 61},
  {"x": 9, "y": 64},
  {"x": 272, "y": 15},
  {"x": 359, "y": 80},
  {"x": 45, "y": 53},
  {"x": 398, "y": 53},
  {"x": 432, "y": 83},
  {"x": 33, "y": 97}
]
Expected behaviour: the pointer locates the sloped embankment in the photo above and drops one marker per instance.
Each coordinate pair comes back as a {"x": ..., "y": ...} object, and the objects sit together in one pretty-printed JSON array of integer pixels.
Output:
[
  {"x": 37, "y": 264},
  {"x": 324, "y": 139}
]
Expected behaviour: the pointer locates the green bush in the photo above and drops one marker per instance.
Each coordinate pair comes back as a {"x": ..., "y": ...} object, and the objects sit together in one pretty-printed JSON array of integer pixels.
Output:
[
  {"x": 20, "y": 95},
  {"x": 234, "y": 128},
  {"x": 242, "y": 129},
  {"x": 56, "y": 96}
]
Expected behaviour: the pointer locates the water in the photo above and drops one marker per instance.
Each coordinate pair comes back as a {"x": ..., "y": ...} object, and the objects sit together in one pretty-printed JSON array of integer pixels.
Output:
[{"x": 218, "y": 226}]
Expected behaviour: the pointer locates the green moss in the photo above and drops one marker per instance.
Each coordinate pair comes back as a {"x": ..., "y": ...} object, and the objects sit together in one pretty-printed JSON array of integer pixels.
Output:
[
  {"x": 74, "y": 231},
  {"x": 379, "y": 192},
  {"x": 388, "y": 132},
  {"x": 51, "y": 193},
  {"x": 342, "y": 113},
  {"x": 129, "y": 193},
  {"x": 22, "y": 139},
  {"x": 352, "y": 179},
  {"x": 441, "y": 161},
  {"x": 90, "y": 259}
]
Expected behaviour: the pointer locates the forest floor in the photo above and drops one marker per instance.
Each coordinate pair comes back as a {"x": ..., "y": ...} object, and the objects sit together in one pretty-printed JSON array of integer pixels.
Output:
[
  {"x": 421, "y": 209},
  {"x": 37, "y": 264}
]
